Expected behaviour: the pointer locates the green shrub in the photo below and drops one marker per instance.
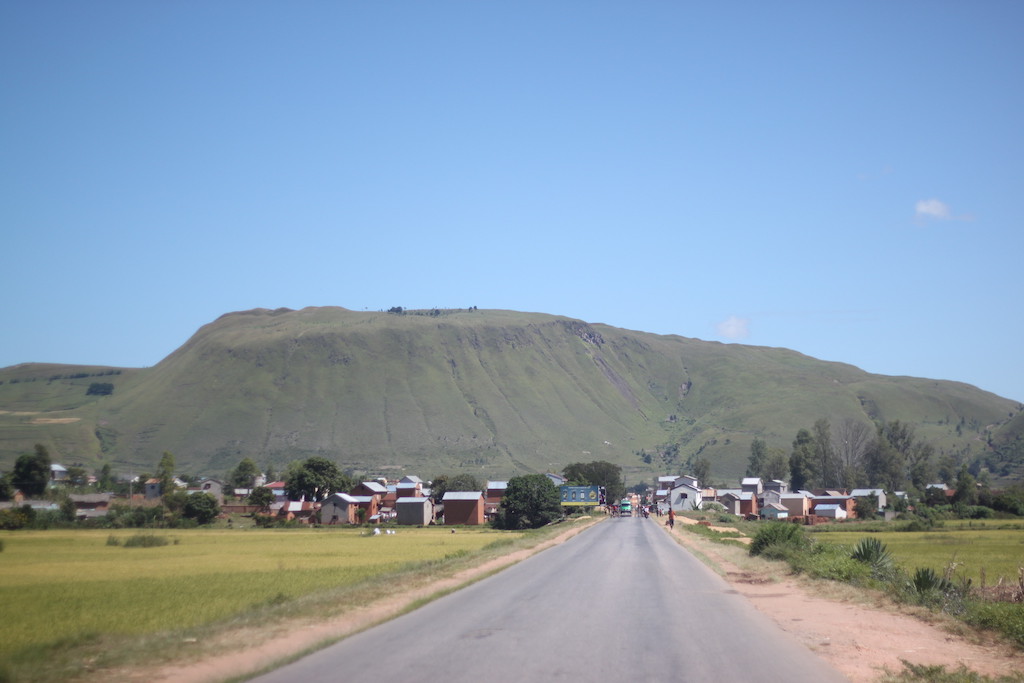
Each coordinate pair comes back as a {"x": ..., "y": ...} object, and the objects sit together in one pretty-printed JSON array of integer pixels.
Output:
[
  {"x": 113, "y": 540},
  {"x": 145, "y": 541},
  {"x": 786, "y": 534},
  {"x": 1005, "y": 617},
  {"x": 832, "y": 562}
]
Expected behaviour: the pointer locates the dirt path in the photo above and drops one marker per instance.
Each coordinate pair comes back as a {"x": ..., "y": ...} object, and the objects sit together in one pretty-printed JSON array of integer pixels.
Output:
[{"x": 858, "y": 639}]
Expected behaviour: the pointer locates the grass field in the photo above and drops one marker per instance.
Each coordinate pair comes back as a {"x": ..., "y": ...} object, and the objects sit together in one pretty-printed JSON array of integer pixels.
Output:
[
  {"x": 997, "y": 552},
  {"x": 62, "y": 588}
]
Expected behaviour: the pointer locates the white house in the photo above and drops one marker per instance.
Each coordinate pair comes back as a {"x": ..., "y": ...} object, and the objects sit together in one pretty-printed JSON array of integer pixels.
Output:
[
  {"x": 831, "y": 510},
  {"x": 685, "y": 495}
]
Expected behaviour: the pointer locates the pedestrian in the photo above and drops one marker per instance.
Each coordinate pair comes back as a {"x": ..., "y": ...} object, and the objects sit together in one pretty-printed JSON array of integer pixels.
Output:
[{"x": 671, "y": 518}]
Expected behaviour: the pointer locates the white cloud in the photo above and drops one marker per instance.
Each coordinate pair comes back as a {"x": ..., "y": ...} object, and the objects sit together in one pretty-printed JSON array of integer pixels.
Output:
[
  {"x": 733, "y": 328},
  {"x": 934, "y": 209}
]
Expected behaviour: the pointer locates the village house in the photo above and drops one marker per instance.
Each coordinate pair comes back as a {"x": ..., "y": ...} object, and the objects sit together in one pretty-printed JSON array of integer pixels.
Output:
[
  {"x": 556, "y": 479},
  {"x": 686, "y": 494},
  {"x": 742, "y": 503},
  {"x": 847, "y": 503},
  {"x": 339, "y": 508},
  {"x": 492, "y": 497},
  {"x": 91, "y": 505},
  {"x": 774, "y": 511},
  {"x": 152, "y": 489},
  {"x": 752, "y": 485},
  {"x": 796, "y": 504},
  {"x": 830, "y": 511},
  {"x": 414, "y": 510},
  {"x": 301, "y": 510},
  {"x": 463, "y": 507},
  {"x": 369, "y": 488},
  {"x": 878, "y": 493},
  {"x": 58, "y": 474},
  {"x": 277, "y": 488},
  {"x": 211, "y": 486},
  {"x": 409, "y": 486}
]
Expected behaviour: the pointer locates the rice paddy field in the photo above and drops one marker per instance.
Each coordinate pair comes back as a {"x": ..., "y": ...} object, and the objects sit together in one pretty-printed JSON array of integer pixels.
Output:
[
  {"x": 64, "y": 587},
  {"x": 974, "y": 548}
]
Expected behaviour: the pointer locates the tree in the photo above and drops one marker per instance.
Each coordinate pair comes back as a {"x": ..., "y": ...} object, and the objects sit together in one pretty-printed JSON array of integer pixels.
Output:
[
  {"x": 802, "y": 472},
  {"x": 702, "y": 470},
  {"x": 530, "y": 501},
  {"x": 202, "y": 507},
  {"x": 165, "y": 472},
  {"x": 244, "y": 475},
  {"x": 459, "y": 482},
  {"x": 597, "y": 473},
  {"x": 105, "y": 480},
  {"x": 758, "y": 458},
  {"x": 966, "y": 488},
  {"x": 314, "y": 479},
  {"x": 77, "y": 476},
  {"x": 31, "y": 472},
  {"x": 777, "y": 466},
  {"x": 824, "y": 455},
  {"x": 898, "y": 458},
  {"x": 261, "y": 497},
  {"x": 851, "y": 441}
]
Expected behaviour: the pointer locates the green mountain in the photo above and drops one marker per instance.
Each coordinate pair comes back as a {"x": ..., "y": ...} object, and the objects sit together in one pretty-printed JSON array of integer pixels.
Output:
[{"x": 492, "y": 392}]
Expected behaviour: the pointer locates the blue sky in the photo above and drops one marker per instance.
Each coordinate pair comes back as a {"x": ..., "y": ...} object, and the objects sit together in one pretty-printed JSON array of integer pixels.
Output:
[{"x": 839, "y": 178}]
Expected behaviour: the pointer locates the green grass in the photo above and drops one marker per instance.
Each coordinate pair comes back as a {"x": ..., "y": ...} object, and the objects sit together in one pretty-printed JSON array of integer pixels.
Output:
[
  {"x": 997, "y": 552},
  {"x": 60, "y": 588}
]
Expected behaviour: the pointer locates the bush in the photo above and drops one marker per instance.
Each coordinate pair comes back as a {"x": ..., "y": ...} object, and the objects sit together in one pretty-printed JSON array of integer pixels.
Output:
[
  {"x": 790, "y": 536},
  {"x": 1005, "y": 617},
  {"x": 832, "y": 562},
  {"x": 145, "y": 541}
]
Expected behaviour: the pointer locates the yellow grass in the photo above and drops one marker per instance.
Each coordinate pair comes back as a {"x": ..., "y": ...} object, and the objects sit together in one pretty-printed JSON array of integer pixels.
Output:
[{"x": 67, "y": 586}]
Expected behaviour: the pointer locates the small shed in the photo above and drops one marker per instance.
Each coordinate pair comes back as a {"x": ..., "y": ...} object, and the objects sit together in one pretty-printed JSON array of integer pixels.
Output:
[
  {"x": 774, "y": 511},
  {"x": 414, "y": 510},
  {"x": 830, "y": 510},
  {"x": 463, "y": 507}
]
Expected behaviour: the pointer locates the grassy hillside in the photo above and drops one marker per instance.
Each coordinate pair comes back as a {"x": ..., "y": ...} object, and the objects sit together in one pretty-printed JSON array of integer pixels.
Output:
[{"x": 491, "y": 392}]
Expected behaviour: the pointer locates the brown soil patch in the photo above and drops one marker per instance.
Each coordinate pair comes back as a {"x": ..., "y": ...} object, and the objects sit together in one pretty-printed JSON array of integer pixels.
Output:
[{"x": 859, "y": 639}]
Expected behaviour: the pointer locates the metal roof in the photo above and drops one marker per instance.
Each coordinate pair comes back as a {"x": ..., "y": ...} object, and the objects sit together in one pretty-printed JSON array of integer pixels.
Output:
[{"x": 462, "y": 495}]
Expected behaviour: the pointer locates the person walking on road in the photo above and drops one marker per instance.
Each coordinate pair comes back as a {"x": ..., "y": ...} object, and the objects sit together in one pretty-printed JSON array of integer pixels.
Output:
[{"x": 671, "y": 518}]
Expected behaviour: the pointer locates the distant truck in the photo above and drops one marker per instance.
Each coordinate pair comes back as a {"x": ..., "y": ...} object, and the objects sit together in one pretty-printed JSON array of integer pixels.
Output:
[{"x": 626, "y": 507}]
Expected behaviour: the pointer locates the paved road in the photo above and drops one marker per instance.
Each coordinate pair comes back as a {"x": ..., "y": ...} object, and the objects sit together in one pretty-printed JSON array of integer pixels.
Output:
[{"x": 619, "y": 602}]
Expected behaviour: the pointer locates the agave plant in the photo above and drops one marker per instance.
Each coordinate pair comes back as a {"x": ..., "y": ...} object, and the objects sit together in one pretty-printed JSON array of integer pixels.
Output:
[
  {"x": 873, "y": 552},
  {"x": 926, "y": 581}
]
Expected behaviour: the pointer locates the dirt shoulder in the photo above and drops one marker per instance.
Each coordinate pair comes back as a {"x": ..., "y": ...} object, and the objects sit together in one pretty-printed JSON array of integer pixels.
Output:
[{"x": 858, "y": 638}]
